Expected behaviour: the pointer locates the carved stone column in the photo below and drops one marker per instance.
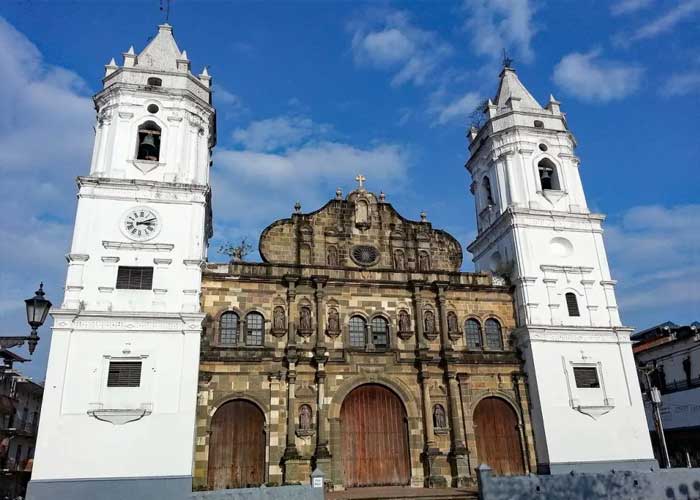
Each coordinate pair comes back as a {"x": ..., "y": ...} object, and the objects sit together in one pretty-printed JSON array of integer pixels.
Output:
[
  {"x": 290, "y": 452},
  {"x": 458, "y": 453},
  {"x": 275, "y": 425},
  {"x": 319, "y": 296},
  {"x": 440, "y": 288},
  {"x": 418, "y": 315},
  {"x": 322, "y": 453},
  {"x": 291, "y": 310},
  {"x": 430, "y": 451}
]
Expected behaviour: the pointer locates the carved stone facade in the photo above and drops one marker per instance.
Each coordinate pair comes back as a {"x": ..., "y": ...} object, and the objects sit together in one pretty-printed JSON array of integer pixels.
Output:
[{"x": 352, "y": 320}]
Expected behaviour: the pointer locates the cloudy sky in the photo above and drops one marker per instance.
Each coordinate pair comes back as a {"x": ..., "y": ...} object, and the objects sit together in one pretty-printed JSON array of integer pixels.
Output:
[{"x": 310, "y": 93}]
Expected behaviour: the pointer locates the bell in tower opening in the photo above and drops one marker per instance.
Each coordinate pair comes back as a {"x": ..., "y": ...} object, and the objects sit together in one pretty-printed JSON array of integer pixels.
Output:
[{"x": 149, "y": 142}]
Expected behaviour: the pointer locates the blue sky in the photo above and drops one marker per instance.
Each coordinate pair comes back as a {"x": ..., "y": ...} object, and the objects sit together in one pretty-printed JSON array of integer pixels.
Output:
[{"x": 310, "y": 93}]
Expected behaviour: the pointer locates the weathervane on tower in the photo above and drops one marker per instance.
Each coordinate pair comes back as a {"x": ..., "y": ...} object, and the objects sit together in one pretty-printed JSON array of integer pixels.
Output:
[{"x": 507, "y": 61}]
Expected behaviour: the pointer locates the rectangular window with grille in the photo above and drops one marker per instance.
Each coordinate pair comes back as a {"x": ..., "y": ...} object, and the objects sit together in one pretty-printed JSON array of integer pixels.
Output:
[
  {"x": 124, "y": 374},
  {"x": 135, "y": 278},
  {"x": 586, "y": 377},
  {"x": 572, "y": 304}
]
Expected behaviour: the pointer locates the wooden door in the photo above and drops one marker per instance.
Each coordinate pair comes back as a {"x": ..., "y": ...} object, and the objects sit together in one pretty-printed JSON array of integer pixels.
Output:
[
  {"x": 237, "y": 446},
  {"x": 498, "y": 437},
  {"x": 374, "y": 438}
]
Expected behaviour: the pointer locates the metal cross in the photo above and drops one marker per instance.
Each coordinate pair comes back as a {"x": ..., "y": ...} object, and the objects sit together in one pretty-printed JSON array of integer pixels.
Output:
[{"x": 360, "y": 180}]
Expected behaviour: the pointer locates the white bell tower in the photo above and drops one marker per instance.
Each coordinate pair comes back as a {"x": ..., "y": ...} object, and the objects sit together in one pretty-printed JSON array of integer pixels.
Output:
[
  {"x": 534, "y": 226},
  {"x": 118, "y": 413}
]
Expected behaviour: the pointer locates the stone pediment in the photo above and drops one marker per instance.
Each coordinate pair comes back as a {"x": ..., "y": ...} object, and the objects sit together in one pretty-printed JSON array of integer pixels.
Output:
[{"x": 360, "y": 231}]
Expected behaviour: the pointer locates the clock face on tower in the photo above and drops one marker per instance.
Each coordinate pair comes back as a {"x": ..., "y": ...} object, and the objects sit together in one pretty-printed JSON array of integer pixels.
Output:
[{"x": 140, "y": 223}]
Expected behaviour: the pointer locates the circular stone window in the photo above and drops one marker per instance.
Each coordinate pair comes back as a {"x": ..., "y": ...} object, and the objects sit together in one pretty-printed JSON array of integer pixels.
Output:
[
  {"x": 543, "y": 147},
  {"x": 152, "y": 108},
  {"x": 364, "y": 255}
]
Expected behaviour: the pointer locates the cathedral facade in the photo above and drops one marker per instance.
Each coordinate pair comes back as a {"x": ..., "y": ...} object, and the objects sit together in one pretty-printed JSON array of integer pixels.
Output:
[{"x": 357, "y": 347}]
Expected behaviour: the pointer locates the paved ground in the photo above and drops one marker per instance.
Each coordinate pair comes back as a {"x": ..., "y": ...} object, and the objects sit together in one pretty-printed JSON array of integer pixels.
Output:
[{"x": 399, "y": 492}]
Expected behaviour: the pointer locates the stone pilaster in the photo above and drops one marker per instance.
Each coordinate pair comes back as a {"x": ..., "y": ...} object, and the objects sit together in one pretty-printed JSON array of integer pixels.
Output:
[
  {"x": 274, "y": 472},
  {"x": 430, "y": 450},
  {"x": 440, "y": 288},
  {"x": 291, "y": 310},
  {"x": 322, "y": 455},
  {"x": 320, "y": 298},
  {"x": 421, "y": 343},
  {"x": 458, "y": 453},
  {"x": 290, "y": 452}
]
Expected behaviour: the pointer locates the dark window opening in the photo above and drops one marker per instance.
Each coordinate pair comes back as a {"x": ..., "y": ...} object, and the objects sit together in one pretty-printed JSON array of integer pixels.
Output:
[
  {"x": 586, "y": 377},
  {"x": 149, "y": 142},
  {"x": 154, "y": 82},
  {"x": 487, "y": 191},
  {"x": 548, "y": 175},
  {"x": 152, "y": 108},
  {"x": 380, "y": 332},
  {"x": 572, "y": 304},
  {"x": 135, "y": 278},
  {"x": 539, "y": 124},
  {"x": 124, "y": 374},
  {"x": 254, "y": 329},
  {"x": 494, "y": 339},
  {"x": 357, "y": 329},
  {"x": 472, "y": 330},
  {"x": 228, "y": 328}
]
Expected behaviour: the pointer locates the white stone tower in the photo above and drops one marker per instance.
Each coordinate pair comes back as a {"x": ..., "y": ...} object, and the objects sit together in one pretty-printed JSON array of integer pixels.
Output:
[
  {"x": 535, "y": 227},
  {"x": 119, "y": 406}
]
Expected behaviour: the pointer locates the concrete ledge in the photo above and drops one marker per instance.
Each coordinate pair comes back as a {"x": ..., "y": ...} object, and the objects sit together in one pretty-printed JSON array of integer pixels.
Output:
[
  {"x": 276, "y": 493},
  {"x": 133, "y": 488},
  {"x": 603, "y": 466}
]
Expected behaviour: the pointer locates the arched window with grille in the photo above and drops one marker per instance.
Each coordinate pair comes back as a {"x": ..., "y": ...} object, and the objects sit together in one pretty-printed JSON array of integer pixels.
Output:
[
  {"x": 148, "y": 142},
  {"x": 472, "y": 330},
  {"x": 254, "y": 325},
  {"x": 357, "y": 330},
  {"x": 494, "y": 338},
  {"x": 380, "y": 332},
  {"x": 228, "y": 328},
  {"x": 572, "y": 304}
]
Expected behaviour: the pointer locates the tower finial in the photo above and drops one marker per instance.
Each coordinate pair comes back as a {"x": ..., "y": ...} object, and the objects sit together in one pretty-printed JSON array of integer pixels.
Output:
[{"x": 507, "y": 61}]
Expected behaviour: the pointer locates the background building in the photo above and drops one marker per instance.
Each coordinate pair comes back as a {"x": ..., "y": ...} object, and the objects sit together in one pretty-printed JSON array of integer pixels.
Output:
[{"x": 671, "y": 354}]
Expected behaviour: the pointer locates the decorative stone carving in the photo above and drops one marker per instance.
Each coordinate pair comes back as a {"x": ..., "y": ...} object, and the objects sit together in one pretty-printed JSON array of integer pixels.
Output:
[
  {"x": 399, "y": 260},
  {"x": 423, "y": 262},
  {"x": 305, "y": 321},
  {"x": 365, "y": 255},
  {"x": 362, "y": 214},
  {"x": 279, "y": 322},
  {"x": 453, "y": 326},
  {"x": 404, "y": 332},
  {"x": 332, "y": 256},
  {"x": 305, "y": 426},
  {"x": 333, "y": 329},
  {"x": 429, "y": 325},
  {"x": 439, "y": 418}
]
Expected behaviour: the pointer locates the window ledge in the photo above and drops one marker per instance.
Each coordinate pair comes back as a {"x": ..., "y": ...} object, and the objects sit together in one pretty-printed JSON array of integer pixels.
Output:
[
  {"x": 146, "y": 166},
  {"x": 595, "y": 412},
  {"x": 120, "y": 416}
]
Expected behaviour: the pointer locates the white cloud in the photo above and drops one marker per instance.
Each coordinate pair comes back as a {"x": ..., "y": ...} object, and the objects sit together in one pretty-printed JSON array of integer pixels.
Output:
[
  {"x": 592, "y": 78},
  {"x": 223, "y": 96},
  {"x": 457, "y": 110},
  {"x": 45, "y": 141},
  {"x": 664, "y": 23},
  {"x": 277, "y": 133},
  {"x": 389, "y": 40},
  {"x": 622, "y": 7},
  {"x": 682, "y": 84},
  {"x": 654, "y": 254},
  {"x": 495, "y": 25}
]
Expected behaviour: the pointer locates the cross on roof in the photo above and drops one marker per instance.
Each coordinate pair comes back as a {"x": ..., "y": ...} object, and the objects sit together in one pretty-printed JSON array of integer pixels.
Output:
[{"x": 360, "y": 181}]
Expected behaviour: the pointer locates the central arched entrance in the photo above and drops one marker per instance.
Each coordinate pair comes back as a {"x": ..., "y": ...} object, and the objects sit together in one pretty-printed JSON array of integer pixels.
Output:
[
  {"x": 498, "y": 437},
  {"x": 374, "y": 438},
  {"x": 237, "y": 446}
]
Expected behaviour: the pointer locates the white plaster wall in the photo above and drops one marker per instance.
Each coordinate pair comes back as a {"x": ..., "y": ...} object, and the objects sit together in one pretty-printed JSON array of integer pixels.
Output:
[{"x": 72, "y": 444}]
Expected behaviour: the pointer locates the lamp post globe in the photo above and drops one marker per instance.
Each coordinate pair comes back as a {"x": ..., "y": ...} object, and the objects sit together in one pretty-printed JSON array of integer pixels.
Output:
[{"x": 37, "y": 310}]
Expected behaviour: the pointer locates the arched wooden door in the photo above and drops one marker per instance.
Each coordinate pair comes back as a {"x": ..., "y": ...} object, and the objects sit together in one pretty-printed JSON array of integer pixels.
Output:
[
  {"x": 374, "y": 438},
  {"x": 498, "y": 437},
  {"x": 237, "y": 446}
]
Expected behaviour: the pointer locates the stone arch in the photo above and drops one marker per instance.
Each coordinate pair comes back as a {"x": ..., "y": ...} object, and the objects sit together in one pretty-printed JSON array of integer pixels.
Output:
[
  {"x": 398, "y": 387},
  {"x": 221, "y": 401},
  {"x": 216, "y": 322},
  {"x": 494, "y": 393},
  {"x": 550, "y": 161},
  {"x": 499, "y": 434}
]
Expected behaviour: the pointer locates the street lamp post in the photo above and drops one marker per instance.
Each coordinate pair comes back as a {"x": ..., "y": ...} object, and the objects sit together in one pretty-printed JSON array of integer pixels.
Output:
[{"x": 37, "y": 310}]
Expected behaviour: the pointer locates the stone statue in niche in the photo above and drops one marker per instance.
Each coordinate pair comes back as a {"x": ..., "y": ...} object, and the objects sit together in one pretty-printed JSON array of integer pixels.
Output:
[
  {"x": 452, "y": 322},
  {"x": 429, "y": 320},
  {"x": 279, "y": 321},
  {"x": 332, "y": 256},
  {"x": 404, "y": 322},
  {"x": 305, "y": 319},
  {"x": 439, "y": 417},
  {"x": 362, "y": 214},
  {"x": 423, "y": 261},
  {"x": 333, "y": 320},
  {"x": 305, "y": 418},
  {"x": 399, "y": 260}
]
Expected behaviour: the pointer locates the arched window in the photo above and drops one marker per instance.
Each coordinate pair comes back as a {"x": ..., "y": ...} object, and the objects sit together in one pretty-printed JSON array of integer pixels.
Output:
[
  {"x": 357, "y": 329},
  {"x": 572, "y": 304},
  {"x": 380, "y": 332},
  {"x": 548, "y": 175},
  {"x": 494, "y": 339},
  {"x": 439, "y": 417},
  {"x": 472, "y": 330},
  {"x": 487, "y": 191},
  {"x": 228, "y": 328},
  {"x": 254, "y": 329},
  {"x": 149, "y": 142}
]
